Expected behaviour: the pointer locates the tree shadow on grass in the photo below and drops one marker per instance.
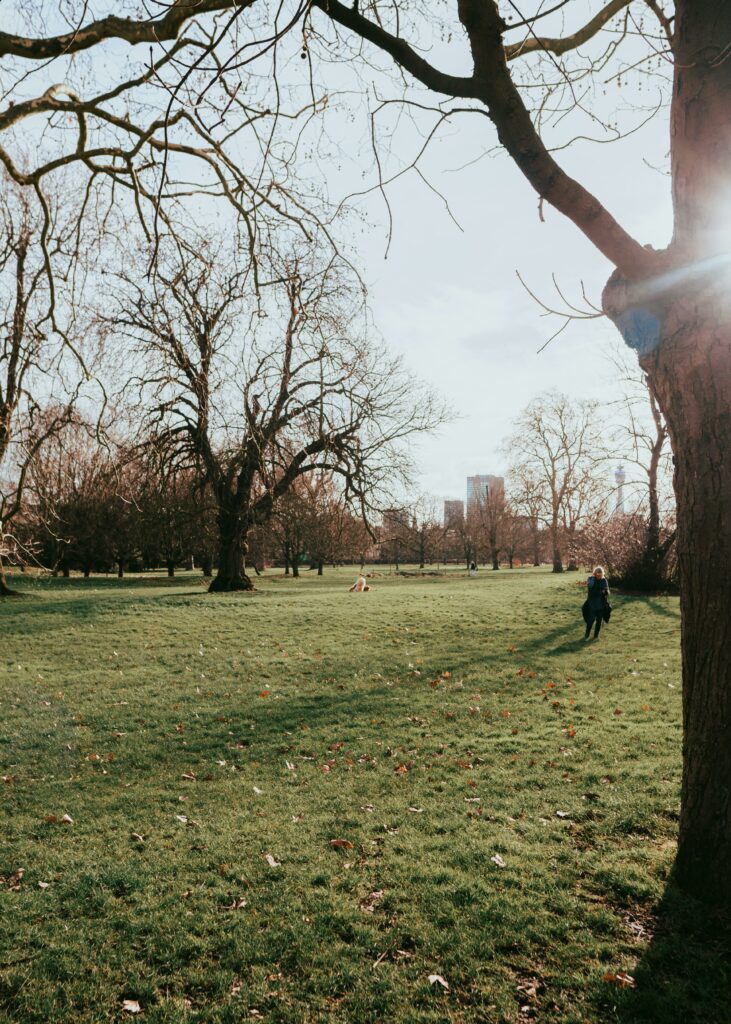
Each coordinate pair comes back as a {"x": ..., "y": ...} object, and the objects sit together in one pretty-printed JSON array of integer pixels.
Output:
[{"x": 684, "y": 976}]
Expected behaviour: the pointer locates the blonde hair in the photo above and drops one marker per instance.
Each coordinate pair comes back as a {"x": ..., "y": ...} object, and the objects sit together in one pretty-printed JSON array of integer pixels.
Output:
[{"x": 598, "y": 568}]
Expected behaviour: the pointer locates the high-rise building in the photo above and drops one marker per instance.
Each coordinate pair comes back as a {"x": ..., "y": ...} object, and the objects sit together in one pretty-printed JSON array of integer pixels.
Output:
[
  {"x": 619, "y": 478},
  {"x": 479, "y": 487},
  {"x": 453, "y": 514}
]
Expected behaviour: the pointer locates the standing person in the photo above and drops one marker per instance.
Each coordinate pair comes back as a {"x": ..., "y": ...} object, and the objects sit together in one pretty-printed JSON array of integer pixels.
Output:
[
  {"x": 596, "y": 602},
  {"x": 473, "y": 569}
]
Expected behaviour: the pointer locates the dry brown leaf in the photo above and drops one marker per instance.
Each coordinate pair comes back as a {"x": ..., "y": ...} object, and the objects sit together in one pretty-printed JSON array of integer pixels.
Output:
[
  {"x": 43, "y": 885},
  {"x": 190, "y": 776},
  {"x": 620, "y": 978},
  {"x": 437, "y": 979},
  {"x": 66, "y": 820},
  {"x": 341, "y": 844}
]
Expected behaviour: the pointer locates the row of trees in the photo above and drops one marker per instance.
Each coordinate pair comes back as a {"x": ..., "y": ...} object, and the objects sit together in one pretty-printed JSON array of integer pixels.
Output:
[{"x": 169, "y": 127}]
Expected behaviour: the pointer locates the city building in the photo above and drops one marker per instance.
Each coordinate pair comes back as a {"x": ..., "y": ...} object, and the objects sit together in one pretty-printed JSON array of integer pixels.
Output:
[
  {"x": 453, "y": 514},
  {"x": 479, "y": 487},
  {"x": 619, "y": 478}
]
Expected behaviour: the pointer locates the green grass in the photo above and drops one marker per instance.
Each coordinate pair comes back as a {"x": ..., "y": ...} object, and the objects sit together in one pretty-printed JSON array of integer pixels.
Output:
[{"x": 433, "y": 724}]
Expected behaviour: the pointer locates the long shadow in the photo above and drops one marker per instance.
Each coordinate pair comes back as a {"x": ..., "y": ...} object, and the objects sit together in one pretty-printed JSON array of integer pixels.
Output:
[
  {"x": 29, "y": 584},
  {"x": 684, "y": 976}
]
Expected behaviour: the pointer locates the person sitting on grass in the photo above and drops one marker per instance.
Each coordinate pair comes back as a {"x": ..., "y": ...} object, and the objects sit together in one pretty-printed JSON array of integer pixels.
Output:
[
  {"x": 360, "y": 585},
  {"x": 597, "y": 597}
]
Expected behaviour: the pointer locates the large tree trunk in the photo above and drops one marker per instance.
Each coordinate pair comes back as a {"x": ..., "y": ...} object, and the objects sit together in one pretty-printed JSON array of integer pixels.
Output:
[
  {"x": 170, "y": 564},
  {"x": 495, "y": 558},
  {"x": 5, "y": 590},
  {"x": 681, "y": 326},
  {"x": 691, "y": 373},
  {"x": 231, "y": 574}
]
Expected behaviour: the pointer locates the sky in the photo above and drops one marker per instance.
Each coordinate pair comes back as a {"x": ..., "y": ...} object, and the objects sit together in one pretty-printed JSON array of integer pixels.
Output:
[
  {"x": 450, "y": 302},
  {"x": 447, "y": 298}
]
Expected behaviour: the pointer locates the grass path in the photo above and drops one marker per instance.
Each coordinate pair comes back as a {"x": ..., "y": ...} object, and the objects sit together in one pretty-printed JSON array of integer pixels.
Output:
[{"x": 504, "y": 799}]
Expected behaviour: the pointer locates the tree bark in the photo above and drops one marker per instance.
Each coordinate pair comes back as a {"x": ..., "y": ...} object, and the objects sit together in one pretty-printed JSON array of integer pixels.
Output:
[
  {"x": 171, "y": 568},
  {"x": 231, "y": 575},
  {"x": 207, "y": 565},
  {"x": 320, "y": 567},
  {"x": 690, "y": 372},
  {"x": 557, "y": 562},
  {"x": 5, "y": 590},
  {"x": 120, "y": 568}
]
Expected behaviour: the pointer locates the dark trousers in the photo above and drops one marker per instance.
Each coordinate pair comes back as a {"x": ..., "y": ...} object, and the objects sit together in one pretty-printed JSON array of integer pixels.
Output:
[{"x": 596, "y": 622}]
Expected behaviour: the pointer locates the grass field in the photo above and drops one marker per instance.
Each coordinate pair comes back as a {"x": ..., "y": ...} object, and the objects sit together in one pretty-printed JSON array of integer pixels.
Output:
[{"x": 298, "y": 805}]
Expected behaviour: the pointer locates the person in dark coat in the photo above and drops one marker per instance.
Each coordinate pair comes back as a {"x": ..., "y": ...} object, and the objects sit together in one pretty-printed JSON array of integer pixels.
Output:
[{"x": 596, "y": 602}]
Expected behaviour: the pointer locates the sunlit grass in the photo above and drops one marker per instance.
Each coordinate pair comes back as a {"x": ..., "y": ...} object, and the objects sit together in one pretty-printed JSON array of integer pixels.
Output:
[{"x": 438, "y": 726}]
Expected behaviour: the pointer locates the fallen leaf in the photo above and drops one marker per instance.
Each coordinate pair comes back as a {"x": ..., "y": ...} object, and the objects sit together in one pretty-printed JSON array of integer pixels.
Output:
[
  {"x": 437, "y": 979},
  {"x": 131, "y": 1006},
  {"x": 415, "y": 810},
  {"x": 272, "y": 861},
  {"x": 369, "y": 903},
  {"x": 67, "y": 820},
  {"x": 563, "y": 814},
  {"x": 620, "y": 978},
  {"x": 138, "y": 837},
  {"x": 238, "y": 904},
  {"x": 497, "y": 859},
  {"x": 264, "y": 693},
  {"x": 189, "y": 775},
  {"x": 341, "y": 844},
  {"x": 257, "y": 790}
]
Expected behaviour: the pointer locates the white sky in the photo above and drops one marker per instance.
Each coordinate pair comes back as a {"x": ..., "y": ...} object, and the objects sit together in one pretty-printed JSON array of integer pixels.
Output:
[
  {"x": 448, "y": 300},
  {"x": 451, "y": 303}
]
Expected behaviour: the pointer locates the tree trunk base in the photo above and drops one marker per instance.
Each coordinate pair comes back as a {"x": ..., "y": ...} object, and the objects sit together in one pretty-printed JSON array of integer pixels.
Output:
[
  {"x": 6, "y": 591},
  {"x": 230, "y": 585}
]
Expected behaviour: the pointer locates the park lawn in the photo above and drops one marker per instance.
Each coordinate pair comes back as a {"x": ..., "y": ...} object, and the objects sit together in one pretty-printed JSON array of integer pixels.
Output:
[{"x": 504, "y": 797}]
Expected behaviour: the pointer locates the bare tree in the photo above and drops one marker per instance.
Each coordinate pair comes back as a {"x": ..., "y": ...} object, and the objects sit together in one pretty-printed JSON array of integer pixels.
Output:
[
  {"x": 526, "y": 495},
  {"x": 490, "y": 512},
  {"x": 556, "y": 450},
  {"x": 256, "y": 396},
  {"x": 642, "y": 439},
  {"x": 37, "y": 391}
]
